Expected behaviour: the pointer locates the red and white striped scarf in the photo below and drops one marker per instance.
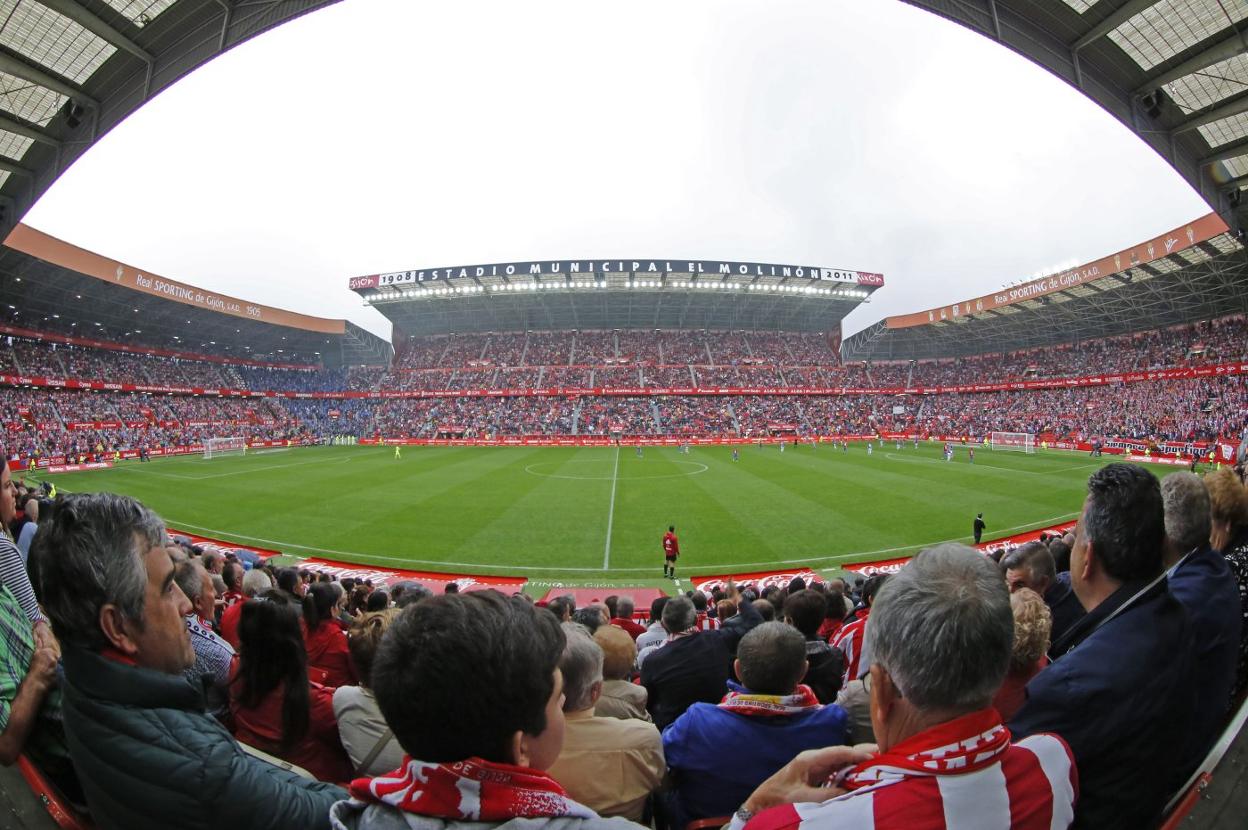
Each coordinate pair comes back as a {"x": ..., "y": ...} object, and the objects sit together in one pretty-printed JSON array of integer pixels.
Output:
[
  {"x": 966, "y": 744},
  {"x": 748, "y": 703},
  {"x": 470, "y": 790}
]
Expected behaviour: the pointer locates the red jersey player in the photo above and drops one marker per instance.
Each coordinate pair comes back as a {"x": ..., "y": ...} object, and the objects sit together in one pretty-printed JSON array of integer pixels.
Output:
[{"x": 671, "y": 549}]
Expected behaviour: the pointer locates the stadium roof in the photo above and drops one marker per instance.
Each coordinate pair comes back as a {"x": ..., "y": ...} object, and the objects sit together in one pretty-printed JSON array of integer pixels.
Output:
[
  {"x": 1175, "y": 72},
  {"x": 617, "y": 294},
  {"x": 47, "y": 284},
  {"x": 1195, "y": 272},
  {"x": 71, "y": 70}
]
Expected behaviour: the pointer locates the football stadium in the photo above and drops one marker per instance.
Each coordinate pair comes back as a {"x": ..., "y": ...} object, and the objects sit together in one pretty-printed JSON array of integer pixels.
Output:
[{"x": 325, "y": 578}]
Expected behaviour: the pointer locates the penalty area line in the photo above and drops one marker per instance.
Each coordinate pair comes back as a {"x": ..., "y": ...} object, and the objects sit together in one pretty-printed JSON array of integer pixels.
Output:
[{"x": 615, "y": 478}]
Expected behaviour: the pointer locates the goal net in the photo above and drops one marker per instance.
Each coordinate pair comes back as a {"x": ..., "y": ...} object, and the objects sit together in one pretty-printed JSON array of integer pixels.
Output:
[
  {"x": 214, "y": 447},
  {"x": 1012, "y": 441}
]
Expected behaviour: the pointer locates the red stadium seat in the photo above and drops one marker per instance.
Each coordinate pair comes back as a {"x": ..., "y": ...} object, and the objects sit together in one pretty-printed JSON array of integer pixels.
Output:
[
  {"x": 58, "y": 806},
  {"x": 708, "y": 823}
]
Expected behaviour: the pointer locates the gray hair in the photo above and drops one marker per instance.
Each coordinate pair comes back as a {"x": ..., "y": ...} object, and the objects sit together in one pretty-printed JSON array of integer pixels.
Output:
[
  {"x": 773, "y": 658},
  {"x": 189, "y": 574},
  {"x": 256, "y": 582},
  {"x": 1186, "y": 504},
  {"x": 413, "y": 592},
  {"x": 90, "y": 555},
  {"x": 581, "y": 666},
  {"x": 1033, "y": 557},
  {"x": 624, "y": 607},
  {"x": 679, "y": 615},
  {"x": 943, "y": 629}
]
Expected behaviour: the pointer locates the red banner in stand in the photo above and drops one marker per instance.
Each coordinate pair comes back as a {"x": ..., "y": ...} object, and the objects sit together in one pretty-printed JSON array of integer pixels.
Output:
[{"x": 1180, "y": 373}]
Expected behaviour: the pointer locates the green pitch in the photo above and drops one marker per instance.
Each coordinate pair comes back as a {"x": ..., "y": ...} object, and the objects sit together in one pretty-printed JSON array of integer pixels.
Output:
[{"x": 593, "y": 515}]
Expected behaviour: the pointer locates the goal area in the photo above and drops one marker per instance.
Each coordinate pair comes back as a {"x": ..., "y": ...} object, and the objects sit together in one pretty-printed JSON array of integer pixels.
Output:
[
  {"x": 1012, "y": 441},
  {"x": 214, "y": 447}
]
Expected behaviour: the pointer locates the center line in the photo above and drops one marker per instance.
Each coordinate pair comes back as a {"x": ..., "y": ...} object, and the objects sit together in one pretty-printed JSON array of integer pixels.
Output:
[{"x": 615, "y": 477}]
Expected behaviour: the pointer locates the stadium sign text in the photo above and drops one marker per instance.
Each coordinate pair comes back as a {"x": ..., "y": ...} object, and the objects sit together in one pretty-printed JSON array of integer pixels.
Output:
[{"x": 656, "y": 267}]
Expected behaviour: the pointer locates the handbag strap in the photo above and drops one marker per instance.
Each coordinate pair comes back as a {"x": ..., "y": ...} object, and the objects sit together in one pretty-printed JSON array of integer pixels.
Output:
[{"x": 374, "y": 752}]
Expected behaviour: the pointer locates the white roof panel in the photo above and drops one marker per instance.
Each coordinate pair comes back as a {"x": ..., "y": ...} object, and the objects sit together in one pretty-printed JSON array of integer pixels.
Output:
[
  {"x": 1225, "y": 243},
  {"x": 1164, "y": 265},
  {"x": 1226, "y": 130},
  {"x": 52, "y": 40},
  {"x": 1237, "y": 166},
  {"x": 1202, "y": 89},
  {"x": 1080, "y": 6},
  {"x": 1193, "y": 256},
  {"x": 28, "y": 101},
  {"x": 1172, "y": 26},
  {"x": 140, "y": 12},
  {"x": 13, "y": 146}
]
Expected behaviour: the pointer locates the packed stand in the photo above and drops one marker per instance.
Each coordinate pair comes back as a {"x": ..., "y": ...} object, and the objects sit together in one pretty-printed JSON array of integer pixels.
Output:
[
  {"x": 615, "y": 416},
  {"x": 1036, "y": 702},
  {"x": 667, "y": 376},
  {"x": 639, "y": 346},
  {"x": 566, "y": 377},
  {"x": 593, "y": 348},
  {"x": 759, "y": 415},
  {"x": 547, "y": 348},
  {"x": 696, "y": 415}
]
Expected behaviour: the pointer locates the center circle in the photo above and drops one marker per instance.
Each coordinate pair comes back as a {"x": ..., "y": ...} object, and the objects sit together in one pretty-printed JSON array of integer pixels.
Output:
[{"x": 702, "y": 468}]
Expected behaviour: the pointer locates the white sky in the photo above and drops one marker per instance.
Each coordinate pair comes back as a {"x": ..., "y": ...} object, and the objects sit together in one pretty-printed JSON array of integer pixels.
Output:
[{"x": 380, "y": 135}]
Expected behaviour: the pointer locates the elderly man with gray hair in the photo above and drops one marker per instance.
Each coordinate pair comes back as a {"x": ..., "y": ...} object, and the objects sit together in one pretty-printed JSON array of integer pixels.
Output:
[
  {"x": 941, "y": 633},
  {"x": 255, "y": 583},
  {"x": 608, "y": 764},
  {"x": 1201, "y": 579},
  {"x": 214, "y": 657}
]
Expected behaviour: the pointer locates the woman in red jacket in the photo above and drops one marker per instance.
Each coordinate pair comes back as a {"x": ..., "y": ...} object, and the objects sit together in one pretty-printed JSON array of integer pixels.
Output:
[
  {"x": 274, "y": 706},
  {"x": 329, "y": 660}
]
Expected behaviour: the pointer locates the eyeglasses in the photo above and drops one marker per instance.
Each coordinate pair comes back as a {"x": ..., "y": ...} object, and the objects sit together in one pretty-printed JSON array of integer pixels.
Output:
[{"x": 866, "y": 682}]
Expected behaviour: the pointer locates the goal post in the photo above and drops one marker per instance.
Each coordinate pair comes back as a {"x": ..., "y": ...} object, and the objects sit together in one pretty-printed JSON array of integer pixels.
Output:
[
  {"x": 214, "y": 447},
  {"x": 1012, "y": 441}
]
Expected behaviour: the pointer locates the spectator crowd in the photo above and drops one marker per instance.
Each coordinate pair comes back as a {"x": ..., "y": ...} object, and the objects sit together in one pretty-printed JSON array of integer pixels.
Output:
[{"x": 1072, "y": 682}]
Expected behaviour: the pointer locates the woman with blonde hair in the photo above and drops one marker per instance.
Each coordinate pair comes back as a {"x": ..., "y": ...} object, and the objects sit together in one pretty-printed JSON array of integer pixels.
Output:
[
  {"x": 369, "y": 742},
  {"x": 1228, "y": 535},
  {"x": 1033, "y": 623}
]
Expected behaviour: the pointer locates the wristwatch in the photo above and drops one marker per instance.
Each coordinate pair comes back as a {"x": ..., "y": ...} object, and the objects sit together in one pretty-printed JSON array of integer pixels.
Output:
[{"x": 743, "y": 814}]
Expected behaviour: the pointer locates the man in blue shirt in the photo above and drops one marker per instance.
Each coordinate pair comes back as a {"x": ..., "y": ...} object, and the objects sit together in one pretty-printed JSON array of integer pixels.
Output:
[{"x": 769, "y": 712}]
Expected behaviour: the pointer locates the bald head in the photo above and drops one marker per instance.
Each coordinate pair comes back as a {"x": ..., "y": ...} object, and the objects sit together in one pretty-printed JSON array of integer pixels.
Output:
[{"x": 771, "y": 659}]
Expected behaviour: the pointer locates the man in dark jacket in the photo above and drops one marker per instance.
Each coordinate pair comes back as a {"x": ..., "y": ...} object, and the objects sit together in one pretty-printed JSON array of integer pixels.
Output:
[
  {"x": 1121, "y": 689},
  {"x": 692, "y": 666},
  {"x": 147, "y": 753},
  {"x": 805, "y": 610},
  {"x": 1032, "y": 566},
  {"x": 1201, "y": 580}
]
